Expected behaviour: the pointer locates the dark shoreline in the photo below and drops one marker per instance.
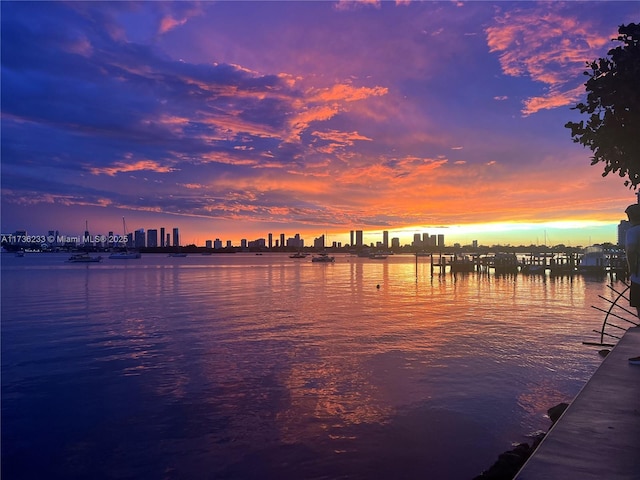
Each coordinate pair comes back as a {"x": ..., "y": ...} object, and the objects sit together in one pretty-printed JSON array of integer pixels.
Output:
[{"x": 510, "y": 462}]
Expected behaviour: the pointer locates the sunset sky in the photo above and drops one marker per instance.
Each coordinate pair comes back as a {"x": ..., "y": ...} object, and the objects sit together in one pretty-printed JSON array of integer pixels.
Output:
[{"x": 233, "y": 120}]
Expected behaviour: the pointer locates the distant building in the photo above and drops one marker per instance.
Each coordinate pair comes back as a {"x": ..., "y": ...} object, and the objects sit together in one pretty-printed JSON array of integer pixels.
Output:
[
  {"x": 351, "y": 238},
  {"x": 318, "y": 243},
  {"x": 417, "y": 241},
  {"x": 176, "y": 237},
  {"x": 295, "y": 242},
  {"x": 217, "y": 243},
  {"x": 385, "y": 239},
  {"x": 162, "y": 237},
  {"x": 395, "y": 242},
  {"x": 282, "y": 240},
  {"x": 359, "y": 238},
  {"x": 623, "y": 226},
  {"x": 167, "y": 242},
  {"x": 152, "y": 238},
  {"x": 270, "y": 241},
  {"x": 208, "y": 244},
  {"x": 139, "y": 238},
  {"x": 441, "y": 240},
  {"x": 259, "y": 243}
]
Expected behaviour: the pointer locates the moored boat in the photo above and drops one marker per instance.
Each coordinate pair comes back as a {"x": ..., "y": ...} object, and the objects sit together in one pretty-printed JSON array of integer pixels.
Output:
[
  {"x": 323, "y": 258},
  {"x": 83, "y": 258},
  {"x": 128, "y": 255},
  {"x": 594, "y": 261}
]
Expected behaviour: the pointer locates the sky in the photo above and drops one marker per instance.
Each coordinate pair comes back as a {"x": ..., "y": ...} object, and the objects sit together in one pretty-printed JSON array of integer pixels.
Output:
[{"x": 234, "y": 120}]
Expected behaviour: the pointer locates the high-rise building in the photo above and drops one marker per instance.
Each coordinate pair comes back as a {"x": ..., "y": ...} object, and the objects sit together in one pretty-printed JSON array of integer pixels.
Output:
[
  {"x": 417, "y": 240},
  {"x": 167, "y": 242},
  {"x": 623, "y": 226},
  {"x": 217, "y": 243},
  {"x": 139, "y": 238},
  {"x": 351, "y": 238},
  {"x": 441, "y": 240},
  {"x": 176, "y": 237},
  {"x": 270, "y": 241},
  {"x": 208, "y": 243},
  {"x": 282, "y": 240},
  {"x": 359, "y": 238},
  {"x": 162, "y": 237},
  {"x": 318, "y": 243},
  {"x": 295, "y": 242},
  {"x": 385, "y": 239},
  {"x": 152, "y": 238}
]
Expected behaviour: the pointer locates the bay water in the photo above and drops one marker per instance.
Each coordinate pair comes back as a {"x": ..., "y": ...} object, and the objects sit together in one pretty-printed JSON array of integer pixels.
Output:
[{"x": 244, "y": 366}]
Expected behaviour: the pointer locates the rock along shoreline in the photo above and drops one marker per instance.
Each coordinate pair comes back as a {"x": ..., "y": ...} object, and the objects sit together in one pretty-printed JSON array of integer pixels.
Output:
[{"x": 510, "y": 462}]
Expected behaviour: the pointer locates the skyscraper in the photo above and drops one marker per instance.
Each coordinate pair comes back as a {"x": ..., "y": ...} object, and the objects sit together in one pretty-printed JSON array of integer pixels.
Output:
[
  {"x": 139, "y": 238},
  {"x": 162, "y": 242},
  {"x": 152, "y": 238},
  {"x": 176, "y": 237},
  {"x": 359, "y": 238},
  {"x": 385, "y": 239}
]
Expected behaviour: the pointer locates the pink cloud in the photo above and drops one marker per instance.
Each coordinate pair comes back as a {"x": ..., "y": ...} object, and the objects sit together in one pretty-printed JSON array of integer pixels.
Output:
[{"x": 549, "y": 46}]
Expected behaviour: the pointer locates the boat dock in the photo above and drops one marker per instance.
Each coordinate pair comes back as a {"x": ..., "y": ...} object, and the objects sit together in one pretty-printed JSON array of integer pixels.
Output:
[{"x": 598, "y": 436}]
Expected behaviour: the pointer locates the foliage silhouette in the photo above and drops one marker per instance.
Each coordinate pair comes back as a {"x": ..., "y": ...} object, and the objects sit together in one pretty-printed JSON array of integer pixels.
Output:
[{"x": 612, "y": 130}]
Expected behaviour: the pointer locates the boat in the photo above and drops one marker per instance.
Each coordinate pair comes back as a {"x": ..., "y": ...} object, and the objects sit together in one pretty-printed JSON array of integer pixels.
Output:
[
  {"x": 323, "y": 258},
  {"x": 298, "y": 255},
  {"x": 377, "y": 256},
  {"x": 594, "y": 260},
  {"x": 178, "y": 255},
  {"x": 83, "y": 258},
  {"x": 504, "y": 263},
  {"x": 462, "y": 264},
  {"x": 126, "y": 254}
]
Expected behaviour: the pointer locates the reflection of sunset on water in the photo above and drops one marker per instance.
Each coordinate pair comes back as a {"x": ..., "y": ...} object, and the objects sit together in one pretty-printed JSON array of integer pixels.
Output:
[{"x": 243, "y": 363}]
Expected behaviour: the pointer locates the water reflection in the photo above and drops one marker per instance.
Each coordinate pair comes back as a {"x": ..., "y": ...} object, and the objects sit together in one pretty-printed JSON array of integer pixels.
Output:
[{"x": 236, "y": 365}]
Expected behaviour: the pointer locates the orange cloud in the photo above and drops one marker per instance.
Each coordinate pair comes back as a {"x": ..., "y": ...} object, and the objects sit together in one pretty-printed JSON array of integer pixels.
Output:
[{"x": 140, "y": 165}]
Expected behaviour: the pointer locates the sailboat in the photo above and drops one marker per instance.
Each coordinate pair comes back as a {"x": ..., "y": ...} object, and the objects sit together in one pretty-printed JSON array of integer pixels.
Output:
[{"x": 127, "y": 254}]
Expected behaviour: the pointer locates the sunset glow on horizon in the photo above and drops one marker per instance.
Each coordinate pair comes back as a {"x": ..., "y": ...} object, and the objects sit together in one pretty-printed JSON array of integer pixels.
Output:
[{"x": 234, "y": 120}]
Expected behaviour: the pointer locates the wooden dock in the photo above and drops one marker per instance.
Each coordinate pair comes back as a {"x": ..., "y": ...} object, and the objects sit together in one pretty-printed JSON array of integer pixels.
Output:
[{"x": 598, "y": 436}]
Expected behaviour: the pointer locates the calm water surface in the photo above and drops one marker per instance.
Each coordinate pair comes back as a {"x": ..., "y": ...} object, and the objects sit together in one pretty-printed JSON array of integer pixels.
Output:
[{"x": 244, "y": 366}]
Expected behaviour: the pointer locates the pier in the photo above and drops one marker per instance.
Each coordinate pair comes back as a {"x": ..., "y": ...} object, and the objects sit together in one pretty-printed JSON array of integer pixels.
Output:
[
  {"x": 598, "y": 436},
  {"x": 595, "y": 262}
]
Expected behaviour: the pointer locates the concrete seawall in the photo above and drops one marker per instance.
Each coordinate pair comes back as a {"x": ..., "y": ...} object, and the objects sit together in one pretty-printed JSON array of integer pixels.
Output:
[{"x": 598, "y": 436}]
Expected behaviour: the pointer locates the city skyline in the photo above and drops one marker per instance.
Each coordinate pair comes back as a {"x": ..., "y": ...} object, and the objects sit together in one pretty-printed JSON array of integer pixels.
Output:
[
  {"x": 141, "y": 236},
  {"x": 306, "y": 117}
]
